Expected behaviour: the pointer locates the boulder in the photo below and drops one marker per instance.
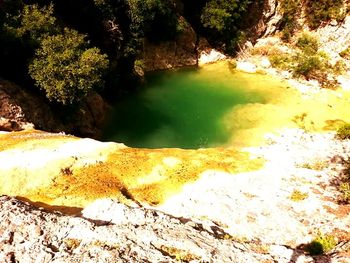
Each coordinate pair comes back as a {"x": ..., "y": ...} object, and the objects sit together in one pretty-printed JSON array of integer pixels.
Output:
[{"x": 246, "y": 67}]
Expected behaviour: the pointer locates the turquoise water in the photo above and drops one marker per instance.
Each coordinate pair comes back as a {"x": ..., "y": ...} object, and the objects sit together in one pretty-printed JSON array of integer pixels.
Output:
[{"x": 179, "y": 109}]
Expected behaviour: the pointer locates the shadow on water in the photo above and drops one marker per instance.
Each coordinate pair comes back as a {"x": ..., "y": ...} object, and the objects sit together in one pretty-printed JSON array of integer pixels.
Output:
[{"x": 177, "y": 109}]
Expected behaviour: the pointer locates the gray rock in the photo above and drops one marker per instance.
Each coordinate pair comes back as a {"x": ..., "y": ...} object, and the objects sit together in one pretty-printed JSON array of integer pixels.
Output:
[{"x": 29, "y": 234}]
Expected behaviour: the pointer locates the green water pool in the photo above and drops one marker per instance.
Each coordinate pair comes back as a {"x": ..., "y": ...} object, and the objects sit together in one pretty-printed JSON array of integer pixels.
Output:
[{"x": 181, "y": 109}]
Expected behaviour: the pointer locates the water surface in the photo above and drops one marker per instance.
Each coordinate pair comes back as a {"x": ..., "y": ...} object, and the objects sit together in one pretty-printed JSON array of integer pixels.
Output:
[{"x": 183, "y": 109}]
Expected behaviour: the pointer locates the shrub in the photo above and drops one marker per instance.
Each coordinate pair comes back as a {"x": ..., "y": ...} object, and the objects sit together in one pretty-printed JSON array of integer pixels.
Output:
[
  {"x": 344, "y": 189},
  {"x": 298, "y": 196},
  {"x": 221, "y": 15},
  {"x": 221, "y": 19},
  {"x": 65, "y": 68},
  {"x": 308, "y": 66},
  {"x": 155, "y": 19},
  {"x": 345, "y": 53},
  {"x": 35, "y": 22},
  {"x": 321, "y": 244},
  {"x": 319, "y": 11},
  {"x": 343, "y": 133},
  {"x": 281, "y": 60},
  {"x": 339, "y": 68},
  {"x": 317, "y": 165},
  {"x": 290, "y": 9},
  {"x": 308, "y": 44}
]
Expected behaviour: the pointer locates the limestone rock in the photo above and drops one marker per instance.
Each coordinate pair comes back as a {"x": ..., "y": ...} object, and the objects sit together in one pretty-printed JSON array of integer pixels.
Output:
[
  {"x": 246, "y": 67},
  {"x": 268, "y": 21},
  {"x": 210, "y": 56},
  {"x": 13, "y": 125},
  {"x": 32, "y": 235},
  {"x": 19, "y": 107},
  {"x": 334, "y": 39},
  {"x": 172, "y": 54},
  {"x": 22, "y": 110}
]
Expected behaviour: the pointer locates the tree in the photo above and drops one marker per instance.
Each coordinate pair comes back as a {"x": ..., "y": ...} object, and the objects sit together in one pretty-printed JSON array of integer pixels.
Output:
[
  {"x": 33, "y": 23},
  {"x": 65, "y": 68},
  {"x": 222, "y": 22},
  {"x": 220, "y": 15},
  {"x": 37, "y": 22},
  {"x": 155, "y": 19}
]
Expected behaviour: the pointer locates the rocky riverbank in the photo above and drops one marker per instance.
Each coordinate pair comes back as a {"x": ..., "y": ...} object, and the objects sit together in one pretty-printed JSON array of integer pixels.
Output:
[{"x": 264, "y": 204}]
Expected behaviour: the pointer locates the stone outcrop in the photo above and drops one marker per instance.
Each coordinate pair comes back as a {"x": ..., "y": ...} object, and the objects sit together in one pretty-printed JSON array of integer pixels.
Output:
[
  {"x": 335, "y": 36},
  {"x": 235, "y": 212},
  {"x": 271, "y": 18},
  {"x": 21, "y": 109},
  {"x": 130, "y": 234},
  {"x": 267, "y": 21},
  {"x": 89, "y": 120},
  {"x": 28, "y": 234},
  {"x": 172, "y": 54}
]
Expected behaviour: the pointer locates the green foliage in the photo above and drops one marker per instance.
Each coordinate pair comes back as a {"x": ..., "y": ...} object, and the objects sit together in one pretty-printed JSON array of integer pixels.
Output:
[
  {"x": 36, "y": 22},
  {"x": 343, "y": 133},
  {"x": 222, "y": 17},
  {"x": 65, "y": 68},
  {"x": 221, "y": 14},
  {"x": 307, "y": 61},
  {"x": 308, "y": 44},
  {"x": 319, "y": 11},
  {"x": 308, "y": 66},
  {"x": 281, "y": 60},
  {"x": 216, "y": 16},
  {"x": 344, "y": 189},
  {"x": 153, "y": 17},
  {"x": 321, "y": 244},
  {"x": 290, "y": 9}
]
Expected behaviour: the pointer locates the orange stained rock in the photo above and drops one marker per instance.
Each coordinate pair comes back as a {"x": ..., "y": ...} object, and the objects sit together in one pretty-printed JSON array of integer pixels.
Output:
[{"x": 143, "y": 175}]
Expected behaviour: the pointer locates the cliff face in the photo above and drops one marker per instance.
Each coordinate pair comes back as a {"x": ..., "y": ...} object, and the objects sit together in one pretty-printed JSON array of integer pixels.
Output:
[
  {"x": 191, "y": 49},
  {"x": 22, "y": 110},
  {"x": 19, "y": 109},
  {"x": 172, "y": 54}
]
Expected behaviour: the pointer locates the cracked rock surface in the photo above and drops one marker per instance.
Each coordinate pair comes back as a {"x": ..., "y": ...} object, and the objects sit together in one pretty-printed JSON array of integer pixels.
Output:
[{"x": 29, "y": 234}]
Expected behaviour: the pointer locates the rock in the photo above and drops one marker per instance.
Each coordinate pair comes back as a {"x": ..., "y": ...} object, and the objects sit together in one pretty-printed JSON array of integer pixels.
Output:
[
  {"x": 344, "y": 82},
  {"x": 210, "y": 57},
  {"x": 265, "y": 63},
  {"x": 12, "y": 125},
  {"x": 147, "y": 236},
  {"x": 246, "y": 67},
  {"x": 172, "y": 54},
  {"x": 21, "y": 109},
  {"x": 88, "y": 121},
  {"x": 269, "y": 20},
  {"x": 267, "y": 41},
  {"x": 332, "y": 38}
]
